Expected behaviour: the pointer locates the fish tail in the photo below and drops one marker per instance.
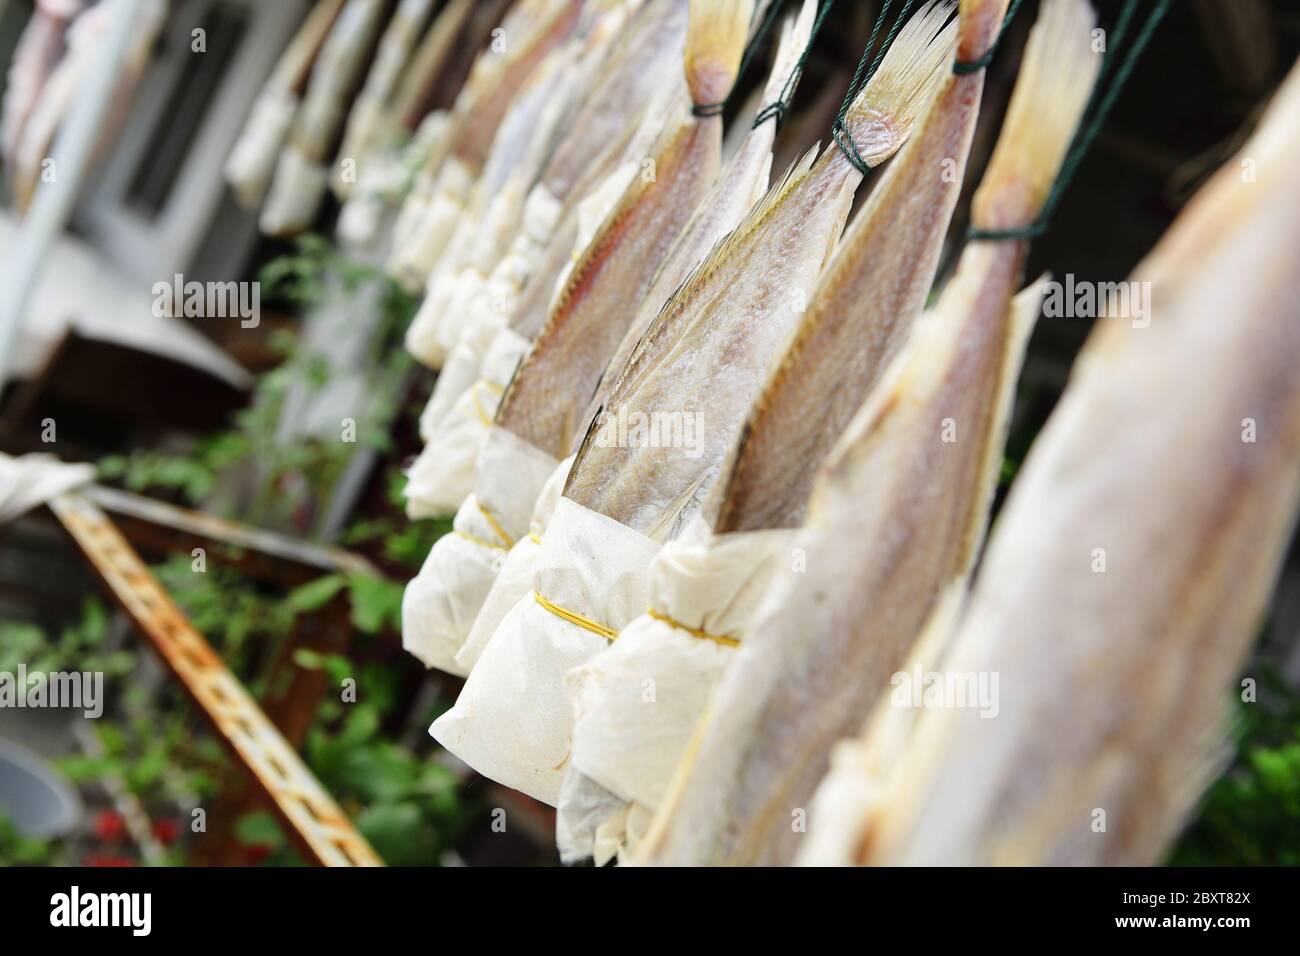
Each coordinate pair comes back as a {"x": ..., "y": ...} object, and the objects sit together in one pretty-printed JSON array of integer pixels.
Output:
[
  {"x": 980, "y": 23},
  {"x": 1050, "y": 96},
  {"x": 917, "y": 62},
  {"x": 715, "y": 43},
  {"x": 795, "y": 34}
]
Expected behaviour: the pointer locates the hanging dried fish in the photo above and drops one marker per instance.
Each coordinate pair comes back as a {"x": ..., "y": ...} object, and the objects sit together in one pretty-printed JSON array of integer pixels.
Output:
[
  {"x": 251, "y": 163},
  {"x": 534, "y": 28},
  {"x": 589, "y": 313},
  {"x": 1128, "y": 573},
  {"x": 475, "y": 285},
  {"x": 369, "y": 123},
  {"x": 434, "y": 100},
  {"x": 302, "y": 169},
  {"x": 614, "y": 90},
  {"x": 712, "y": 340},
  {"x": 740, "y": 186},
  {"x": 706, "y": 585},
  {"x": 899, "y": 510}
]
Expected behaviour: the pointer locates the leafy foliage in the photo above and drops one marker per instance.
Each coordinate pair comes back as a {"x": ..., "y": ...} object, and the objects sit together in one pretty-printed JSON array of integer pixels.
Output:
[{"x": 1251, "y": 815}]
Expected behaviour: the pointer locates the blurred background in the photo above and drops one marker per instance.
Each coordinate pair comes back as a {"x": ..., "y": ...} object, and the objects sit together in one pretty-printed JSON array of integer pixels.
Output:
[{"x": 220, "y": 463}]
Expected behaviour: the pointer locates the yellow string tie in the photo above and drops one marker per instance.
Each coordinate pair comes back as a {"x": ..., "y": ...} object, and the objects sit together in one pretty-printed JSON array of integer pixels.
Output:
[
  {"x": 484, "y": 419},
  {"x": 564, "y": 614},
  {"x": 473, "y": 539},
  {"x": 535, "y": 538},
  {"x": 508, "y": 541},
  {"x": 697, "y": 632}
]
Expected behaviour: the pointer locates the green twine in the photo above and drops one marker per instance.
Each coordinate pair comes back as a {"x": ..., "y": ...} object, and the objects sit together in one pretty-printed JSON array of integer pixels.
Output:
[
  {"x": 974, "y": 66},
  {"x": 861, "y": 77},
  {"x": 751, "y": 48},
  {"x": 1103, "y": 101},
  {"x": 781, "y": 106}
]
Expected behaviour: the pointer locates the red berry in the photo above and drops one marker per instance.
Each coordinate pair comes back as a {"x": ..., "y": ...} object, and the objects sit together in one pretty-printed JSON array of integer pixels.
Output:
[
  {"x": 104, "y": 859},
  {"x": 166, "y": 831},
  {"x": 108, "y": 826},
  {"x": 257, "y": 852}
]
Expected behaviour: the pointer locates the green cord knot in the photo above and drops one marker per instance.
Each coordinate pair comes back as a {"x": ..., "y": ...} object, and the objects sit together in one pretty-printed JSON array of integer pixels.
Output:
[
  {"x": 703, "y": 110},
  {"x": 1031, "y": 231},
  {"x": 1100, "y": 102},
  {"x": 844, "y": 140}
]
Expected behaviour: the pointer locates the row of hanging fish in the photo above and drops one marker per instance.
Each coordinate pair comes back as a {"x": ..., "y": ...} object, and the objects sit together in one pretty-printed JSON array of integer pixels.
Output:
[{"x": 721, "y": 455}]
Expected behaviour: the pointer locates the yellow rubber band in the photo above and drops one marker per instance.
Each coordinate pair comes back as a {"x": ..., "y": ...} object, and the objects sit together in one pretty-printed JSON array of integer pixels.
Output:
[
  {"x": 481, "y": 542},
  {"x": 496, "y": 525},
  {"x": 608, "y": 633},
  {"x": 483, "y": 418},
  {"x": 673, "y": 622}
]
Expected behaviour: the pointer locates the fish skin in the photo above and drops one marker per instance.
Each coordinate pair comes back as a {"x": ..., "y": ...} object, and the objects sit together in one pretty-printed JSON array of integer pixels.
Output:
[
  {"x": 544, "y": 401},
  {"x": 487, "y": 96},
  {"x": 895, "y": 519},
  {"x": 707, "y": 353},
  {"x": 741, "y": 185},
  {"x": 411, "y": 103},
  {"x": 651, "y": 44},
  {"x": 872, "y": 291},
  {"x": 733, "y": 313},
  {"x": 1114, "y": 684},
  {"x": 896, "y": 516}
]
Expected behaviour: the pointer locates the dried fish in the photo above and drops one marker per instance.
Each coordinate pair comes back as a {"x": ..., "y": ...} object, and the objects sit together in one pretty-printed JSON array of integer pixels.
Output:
[
  {"x": 706, "y": 585},
  {"x": 301, "y": 171},
  {"x": 443, "y": 475},
  {"x": 618, "y": 264},
  {"x": 706, "y": 355},
  {"x": 537, "y": 27},
  {"x": 251, "y": 163},
  {"x": 463, "y": 293},
  {"x": 899, "y": 510},
  {"x": 739, "y": 187},
  {"x": 591, "y": 569},
  {"x": 369, "y": 123},
  {"x": 1174, "y": 460}
]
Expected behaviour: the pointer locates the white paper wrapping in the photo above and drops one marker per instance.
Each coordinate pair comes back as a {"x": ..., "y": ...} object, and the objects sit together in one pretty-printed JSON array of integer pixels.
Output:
[
  {"x": 500, "y": 263},
  {"x": 515, "y": 578},
  {"x": 414, "y": 258},
  {"x": 513, "y": 718},
  {"x": 252, "y": 162},
  {"x": 295, "y": 195},
  {"x": 445, "y": 472},
  {"x": 440, "y": 603},
  {"x": 460, "y": 370},
  {"x": 637, "y": 703}
]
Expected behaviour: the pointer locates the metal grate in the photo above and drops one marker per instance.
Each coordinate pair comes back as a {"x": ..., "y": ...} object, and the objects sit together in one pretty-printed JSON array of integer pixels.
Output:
[{"x": 312, "y": 816}]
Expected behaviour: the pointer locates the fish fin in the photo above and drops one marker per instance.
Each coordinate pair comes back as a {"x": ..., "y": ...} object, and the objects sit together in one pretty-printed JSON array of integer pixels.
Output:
[
  {"x": 917, "y": 62},
  {"x": 1023, "y": 312},
  {"x": 721, "y": 250},
  {"x": 793, "y": 176},
  {"x": 674, "y": 508},
  {"x": 795, "y": 34},
  {"x": 715, "y": 43},
  {"x": 1050, "y": 96}
]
